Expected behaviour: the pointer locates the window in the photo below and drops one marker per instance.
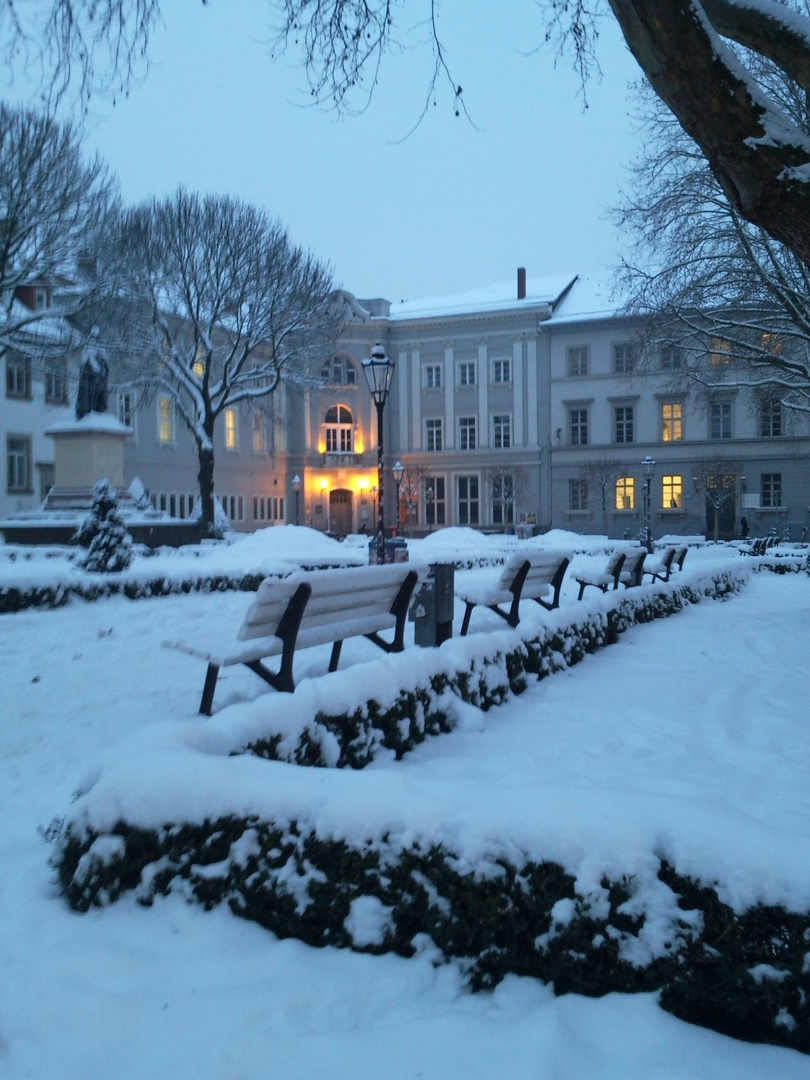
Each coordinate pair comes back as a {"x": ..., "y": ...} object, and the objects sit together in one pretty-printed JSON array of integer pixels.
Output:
[
  {"x": 578, "y": 360},
  {"x": 577, "y": 494},
  {"x": 198, "y": 367},
  {"x": 231, "y": 429},
  {"x": 434, "y": 501},
  {"x": 18, "y": 376},
  {"x": 772, "y": 343},
  {"x": 623, "y": 358},
  {"x": 623, "y": 423},
  {"x": 126, "y": 408},
  {"x": 165, "y": 420},
  {"x": 466, "y": 373},
  {"x": 468, "y": 505},
  {"x": 56, "y": 382},
  {"x": 433, "y": 435},
  {"x": 671, "y": 358},
  {"x": 176, "y": 506},
  {"x": 42, "y": 299},
  {"x": 340, "y": 371},
  {"x": 625, "y": 493},
  {"x": 720, "y": 420},
  {"x": 259, "y": 434},
  {"x": 503, "y": 499},
  {"x": 432, "y": 374},
  {"x": 502, "y": 431},
  {"x": 578, "y": 426},
  {"x": 234, "y": 506},
  {"x": 268, "y": 507},
  {"x": 672, "y": 492},
  {"x": 18, "y": 453},
  {"x": 771, "y": 489},
  {"x": 671, "y": 421},
  {"x": 339, "y": 430},
  {"x": 467, "y": 431},
  {"x": 770, "y": 418},
  {"x": 720, "y": 351},
  {"x": 501, "y": 371}
]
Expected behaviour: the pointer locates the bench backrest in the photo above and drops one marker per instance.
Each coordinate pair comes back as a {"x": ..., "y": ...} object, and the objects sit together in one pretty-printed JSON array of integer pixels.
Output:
[
  {"x": 543, "y": 566},
  {"x": 634, "y": 563},
  {"x": 336, "y": 596}
]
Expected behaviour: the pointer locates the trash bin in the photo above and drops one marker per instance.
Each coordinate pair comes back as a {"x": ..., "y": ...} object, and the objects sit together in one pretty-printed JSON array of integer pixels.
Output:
[
  {"x": 432, "y": 606},
  {"x": 396, "y": 550}
]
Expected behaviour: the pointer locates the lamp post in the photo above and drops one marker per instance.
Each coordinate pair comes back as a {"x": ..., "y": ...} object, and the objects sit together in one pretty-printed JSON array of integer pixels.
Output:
[
  {"x": 398, "y": 470},
  {"x": 379, "y": 370},
  {"x": 649, "y": 467},
  {"x": 429, "y": 506},
  {"x": 296, "y": 486}
]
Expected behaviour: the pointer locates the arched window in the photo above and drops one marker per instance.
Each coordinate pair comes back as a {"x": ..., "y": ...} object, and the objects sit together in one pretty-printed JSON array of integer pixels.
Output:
[
  {"x": 339, "y": 371},
  {"x": 339, "y": 430}
]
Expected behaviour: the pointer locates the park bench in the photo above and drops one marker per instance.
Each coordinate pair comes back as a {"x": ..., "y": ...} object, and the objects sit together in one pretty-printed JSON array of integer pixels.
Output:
[
  {"x": 672, "y": 559},
  {"x": 608, "y": 578},
  {"x": 633, "y": 570},
  {"x": 315, "y": 608},
  {"x": 536, "y": 575}
]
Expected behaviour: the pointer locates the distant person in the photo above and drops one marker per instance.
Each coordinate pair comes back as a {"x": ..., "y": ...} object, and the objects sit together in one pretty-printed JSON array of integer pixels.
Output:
[{"x": 744, "y": 530}]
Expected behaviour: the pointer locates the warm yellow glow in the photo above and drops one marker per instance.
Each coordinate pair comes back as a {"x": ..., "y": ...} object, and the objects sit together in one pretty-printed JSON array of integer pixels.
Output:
[
  {"x": 721, "y": 351},
  {"x": 321, "y": 445},
  {"x": 364, "y": 483},
  {"x": 359, "y": 445},
  {"x": 324, "y": 484}
]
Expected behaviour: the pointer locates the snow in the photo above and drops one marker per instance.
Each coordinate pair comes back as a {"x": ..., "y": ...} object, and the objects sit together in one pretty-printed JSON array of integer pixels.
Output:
[{"x": 687, "y": 739}]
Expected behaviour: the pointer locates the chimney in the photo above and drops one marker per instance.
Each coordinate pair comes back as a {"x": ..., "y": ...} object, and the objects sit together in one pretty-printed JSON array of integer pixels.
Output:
[{"x": 521, "y": 283}]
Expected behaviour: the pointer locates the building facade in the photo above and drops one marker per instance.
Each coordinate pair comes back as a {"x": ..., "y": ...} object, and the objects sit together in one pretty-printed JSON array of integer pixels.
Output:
[{"x": 528, "y": 406}]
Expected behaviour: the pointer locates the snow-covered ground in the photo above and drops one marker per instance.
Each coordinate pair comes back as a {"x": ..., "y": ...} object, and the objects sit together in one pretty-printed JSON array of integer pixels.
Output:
[{"x": 689, "y": 737}]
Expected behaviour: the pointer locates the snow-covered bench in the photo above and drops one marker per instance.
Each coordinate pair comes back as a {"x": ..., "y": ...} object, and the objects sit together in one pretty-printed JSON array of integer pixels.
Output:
[
  {"x": 314, "y": 608},
  {"x": 672, "y": 559},
  {"x": 534, "y": 575},
  {"x": 609, "y": 577}
]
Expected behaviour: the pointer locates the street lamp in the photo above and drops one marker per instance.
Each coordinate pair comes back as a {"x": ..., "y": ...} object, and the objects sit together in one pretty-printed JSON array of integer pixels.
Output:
[
  {"x": 398, "y": 470},
  {"x": 429, "y": 505},
  {"x": 379, "y": 370},
  {"x": 649, "y": 468},
  {"x": 296, "y": 486}
]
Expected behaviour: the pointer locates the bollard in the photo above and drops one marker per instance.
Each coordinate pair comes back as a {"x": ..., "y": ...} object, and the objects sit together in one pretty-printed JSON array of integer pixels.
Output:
[{"x": 432, "y": 607}]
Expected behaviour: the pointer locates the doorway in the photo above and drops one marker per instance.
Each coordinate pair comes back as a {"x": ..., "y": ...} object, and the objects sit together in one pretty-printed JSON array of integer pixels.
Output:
[{"x": 340, "y": 512}]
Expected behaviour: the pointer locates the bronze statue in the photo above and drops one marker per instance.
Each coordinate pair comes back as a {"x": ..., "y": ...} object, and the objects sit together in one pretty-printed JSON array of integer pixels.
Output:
[{"x": 92, "y": 394}]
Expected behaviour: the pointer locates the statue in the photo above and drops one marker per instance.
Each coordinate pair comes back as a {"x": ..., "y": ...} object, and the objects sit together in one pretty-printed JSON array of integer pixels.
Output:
[{"x": 92, "y": 395}]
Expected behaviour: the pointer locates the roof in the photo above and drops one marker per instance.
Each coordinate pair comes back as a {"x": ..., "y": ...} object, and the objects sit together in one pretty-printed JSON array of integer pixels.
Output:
[{"x": 498, "y": 297}]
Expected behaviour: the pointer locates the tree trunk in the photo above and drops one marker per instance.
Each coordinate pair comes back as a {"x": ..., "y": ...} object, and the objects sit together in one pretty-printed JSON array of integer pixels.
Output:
[{"x": 205, "y": 477}]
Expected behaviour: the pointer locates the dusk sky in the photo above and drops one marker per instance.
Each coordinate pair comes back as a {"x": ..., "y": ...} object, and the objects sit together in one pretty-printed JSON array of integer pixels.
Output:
[{"x": 444, "y": 209}]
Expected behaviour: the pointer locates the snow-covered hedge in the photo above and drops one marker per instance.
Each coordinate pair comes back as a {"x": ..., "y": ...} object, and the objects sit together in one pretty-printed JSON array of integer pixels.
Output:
[
  {"x": 396, "y": 722},
  {"x": 744, "y": 974}
]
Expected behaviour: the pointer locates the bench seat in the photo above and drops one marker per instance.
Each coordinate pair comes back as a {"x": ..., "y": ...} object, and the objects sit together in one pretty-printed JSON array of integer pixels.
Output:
[{"x": 528, "y": 575}]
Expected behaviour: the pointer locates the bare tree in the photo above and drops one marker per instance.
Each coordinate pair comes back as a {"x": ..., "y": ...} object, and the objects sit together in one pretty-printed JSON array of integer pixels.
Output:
[
  {"x": 92, "y": 45},
  {"x": 600, "y": 474},
  {"x": 506, "y": 486},
  {"x": 410, "y": 486},
  {"x": 53, "y": 209},
  {"x": 226, "y": 306},
  {"x": 717, "y": 479}
]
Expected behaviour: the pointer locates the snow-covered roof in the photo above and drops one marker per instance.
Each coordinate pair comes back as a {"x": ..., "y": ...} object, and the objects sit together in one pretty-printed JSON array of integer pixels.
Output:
[{"x": 498, "y": 297}]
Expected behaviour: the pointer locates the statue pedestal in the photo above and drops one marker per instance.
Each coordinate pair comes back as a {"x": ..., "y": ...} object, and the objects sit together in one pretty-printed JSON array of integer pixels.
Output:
[{"x": 86, "y": 451}]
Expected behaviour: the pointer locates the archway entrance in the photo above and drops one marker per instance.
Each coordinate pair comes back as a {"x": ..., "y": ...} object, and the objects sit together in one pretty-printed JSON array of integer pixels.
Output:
[{"x": 340, "y": 511}]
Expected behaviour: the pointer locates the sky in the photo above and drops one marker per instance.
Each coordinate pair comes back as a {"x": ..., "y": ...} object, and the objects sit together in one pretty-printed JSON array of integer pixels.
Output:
[
  {"x": 449, "y": 207},
  {"x": 97, "y": 719}
]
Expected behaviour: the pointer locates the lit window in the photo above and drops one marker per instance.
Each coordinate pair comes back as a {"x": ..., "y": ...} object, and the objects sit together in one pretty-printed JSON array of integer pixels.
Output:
[
  {"x": 339, "y": 430},
  {"x": 432, "y": 376},
  {"x": 467, "y": 432},
  {"x": 721, "y": 351},
  {"x": 577, "y": 494},
  {"x": 502, "y": 431},
  {"x": 578, "y": 426},
  {"x": 671, "y": 358},
  {"x": 165, "y": 420},
  {"x": 466, "y": 374},
  {"x": 433, "y": 435},
  {"x": 720, "y": 420},
  {"x": 672, "y": 492},
  {"x": 623, "y": 358},
  {"x": 468, "y": 504},
  {"x": 772, "y": 343},
  {"x": 671, "y": 421},
  {"x": 623, "y": 423},
  {"x": 578, "y": 360},
  {"x": 18, "y": 456},
  {"x": 625, "y": 493},
  {"x": 501, "y": 371},
  {"x": 771, "y": 489},
  {"x": 231, "y": 430}
]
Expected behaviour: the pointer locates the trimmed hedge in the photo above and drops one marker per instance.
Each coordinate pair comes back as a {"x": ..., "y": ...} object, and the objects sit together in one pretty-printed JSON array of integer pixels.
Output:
[
  {"x": 745, "y": 975},
  {"x": 373, "y": 728}
]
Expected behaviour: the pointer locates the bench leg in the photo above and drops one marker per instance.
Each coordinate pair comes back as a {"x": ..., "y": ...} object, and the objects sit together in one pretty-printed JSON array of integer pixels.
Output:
[
  {"x": 465, "y": 624},
  {"x": 334, "y": 660},
  {"x": 207, "y": 700}
]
